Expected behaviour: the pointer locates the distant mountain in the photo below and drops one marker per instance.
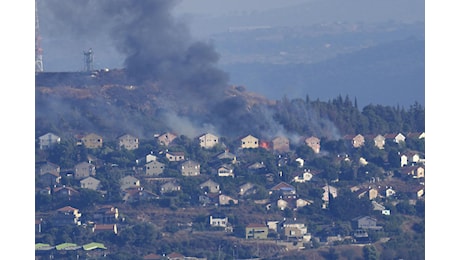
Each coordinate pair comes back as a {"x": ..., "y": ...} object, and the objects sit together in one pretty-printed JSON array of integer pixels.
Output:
[{"x": 390, "y": 73}]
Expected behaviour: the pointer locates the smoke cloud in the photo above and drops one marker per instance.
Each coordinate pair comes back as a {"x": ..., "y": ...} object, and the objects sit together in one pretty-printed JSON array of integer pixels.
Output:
[{"x": 157, "y": 49}]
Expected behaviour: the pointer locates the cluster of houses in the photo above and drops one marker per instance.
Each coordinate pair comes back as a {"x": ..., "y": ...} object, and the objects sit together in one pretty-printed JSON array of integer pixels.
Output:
[
  {"x": 412, "y": 162},
  {"x": 151, "y": 167}
]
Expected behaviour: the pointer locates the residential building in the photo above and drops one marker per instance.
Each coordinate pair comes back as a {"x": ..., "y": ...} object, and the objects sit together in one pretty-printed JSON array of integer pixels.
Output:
[
  {"x": 129, "y": 182},
  {"x": 106, "y": 214},
  {"x": 90, "y": 183},
  {"x": 280, "y": 144},
  {"x": 208, "y": 140},
  {"x": 225, "y": 170},
  {"x": 210, "y": 186},
  {"x": 175, "y": 156},
  {"x": 190, "y": 168},
  {"x": 83, "y": 170},
  {"x": 66, "y": 216},
  {"x": 92, "y": 141},
  {"x": 154, "y": 168},
  {"x": 47, "y": 140},
  {"x": 256, "y": 231},
  {"x": 128, "y": 142},
  {"x": 314, "y": 143},
  {"x": 249, "y": 141},
  {"x": 166, "y": 138}
]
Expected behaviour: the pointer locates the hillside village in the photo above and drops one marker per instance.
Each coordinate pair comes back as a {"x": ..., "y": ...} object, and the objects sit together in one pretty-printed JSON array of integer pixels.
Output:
[{"x": 210, "y": 197}]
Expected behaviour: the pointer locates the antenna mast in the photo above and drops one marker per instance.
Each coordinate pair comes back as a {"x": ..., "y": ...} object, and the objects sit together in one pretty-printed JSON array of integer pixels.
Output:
[
  {"x": 38, "y": 49},
  {"x": 88, "y": 59}
]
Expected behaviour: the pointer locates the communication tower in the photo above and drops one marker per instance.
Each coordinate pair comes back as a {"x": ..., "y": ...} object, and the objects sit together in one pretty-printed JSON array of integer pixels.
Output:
[
  {"x": 88, "y": 60},
  {"x": 38, "y": 49}
]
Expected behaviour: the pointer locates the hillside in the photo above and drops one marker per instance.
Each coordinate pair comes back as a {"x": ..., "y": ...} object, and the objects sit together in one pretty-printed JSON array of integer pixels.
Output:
[
  {"x": 395, "y": 70},
  {"x": 109, "y": 103}
]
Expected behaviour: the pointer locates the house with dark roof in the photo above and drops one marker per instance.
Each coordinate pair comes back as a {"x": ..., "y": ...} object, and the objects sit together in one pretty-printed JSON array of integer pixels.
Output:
[
  {"x": 66, "y": 216},
  {"x": 256, "y": 231},
  {"x": 283, "y": 188},
  {"x": 112, "y": 228}
]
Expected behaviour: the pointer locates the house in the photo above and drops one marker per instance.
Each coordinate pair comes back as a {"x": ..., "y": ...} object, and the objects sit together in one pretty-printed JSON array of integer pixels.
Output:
[
  {"x": 283, "y": 188},
  {"x": 66, "y": 216},
  {"x": 395, "y": 137},
  {"x": 175, "y": 156},
  {"x": 303, "y": 176},
  {"x": 208, "y": 140},
  {"x": 90, "y": 183},
  {"x": 286, "y": 202},
  {"x": 106, "y": 214},
  {"x": 227, "y": 156},
  {"x": 249, "y": 141},
  {"x": 294, "y": 230},
  {"x": 92, "y": 141},
  {"x": 410, "y": 158},
  {"x": 388, "y": 192},
  {"x": 300, "y": 203},
  {"x": 128, "y": 142},
  {"x": 328, "y": 191},
  {"x": 377, "y": 206},
  {"x": 105, "y": 228},
  {"x": 256, "y": 231},
  {"x": 314, "y": 143},
  {"x": 227, "y": 200},
  {"x": 49, "y": 179},
  {"x": 154, "y": 168},
  {"x": 414, "y": 192},
  {"x": 370, "y": 193},
  {"x": 175, "y": 256},
  {"x": 209, "y": 199},
  {"x": 65, "y": 192},
  {"x": 150, "y": 157},
  {"x": 49, "y": 167},
  {"x": 280, "y": 144},
  {"x": 415, "y": 171},
  {"x": 247, "y": 189},
  {"x": 47, "y": 140},
  {"x": 225, "y": 170},
  {"x": 366, "y": 223},
  {"x": 166, "y": 138},
  {"x": 129, "y": 182},
  {"x": 152, "y": 256},
  {"x": 257, "y": 167},
  {"x": 83, "y": 170},
  {"x": 377, "y": 139},
  {"x": 136, "y": 194},
  {"x": 356, "y": 141},
  {"x": 169, "y": 186},
  {"x": 210, "y": 186},
  {"x": 218, "y": 221},
  {"x": 190, "y": 168},
  {"x": 416, "y": 135}
]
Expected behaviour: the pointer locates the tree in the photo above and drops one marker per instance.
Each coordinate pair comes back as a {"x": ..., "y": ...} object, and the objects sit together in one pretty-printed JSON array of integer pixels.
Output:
[
  {"x": 347, "y": 206},
  {"x": 370, "y": 253}
]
